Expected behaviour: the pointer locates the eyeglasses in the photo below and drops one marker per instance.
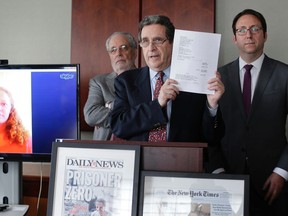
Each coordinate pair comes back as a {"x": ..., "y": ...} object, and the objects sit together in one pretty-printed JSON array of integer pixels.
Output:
[
  {"x": 252, "y": 29},
  {"x": 156, "y": 42},
  {"x": 122, "y": 48}
]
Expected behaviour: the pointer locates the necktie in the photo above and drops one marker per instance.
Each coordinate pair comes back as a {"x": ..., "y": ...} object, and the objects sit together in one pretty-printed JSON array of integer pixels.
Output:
[
  {"x": 247, "y": 88},
  {"x": 159, "y": 133}
]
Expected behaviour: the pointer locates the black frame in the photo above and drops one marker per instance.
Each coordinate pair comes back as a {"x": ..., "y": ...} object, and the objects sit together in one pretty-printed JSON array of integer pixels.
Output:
[
  {"x": 41, "y": 157},
  {"x": 109, "y": 151},
  {"x": 180, "y": 193}
]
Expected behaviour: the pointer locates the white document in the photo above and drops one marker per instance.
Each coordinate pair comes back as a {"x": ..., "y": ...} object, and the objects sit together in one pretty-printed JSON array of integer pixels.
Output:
[{"x": 194, "y": 60}]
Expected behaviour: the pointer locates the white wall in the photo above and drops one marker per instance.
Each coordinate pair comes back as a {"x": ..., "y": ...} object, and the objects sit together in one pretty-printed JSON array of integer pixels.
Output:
[
  {"x": 39, "y": 31},
  {"x": 35, "y": 31}
]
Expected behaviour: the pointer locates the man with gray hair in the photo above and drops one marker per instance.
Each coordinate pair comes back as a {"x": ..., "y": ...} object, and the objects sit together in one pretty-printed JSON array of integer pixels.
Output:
[
  {"x": 122, "y": 50},
  {"x": 148, "y": 104}
]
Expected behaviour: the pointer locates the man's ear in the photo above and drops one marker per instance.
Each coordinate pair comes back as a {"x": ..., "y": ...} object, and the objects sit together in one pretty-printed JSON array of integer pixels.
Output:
[
  {"x": 234, "y": 39},
  {"x": 265, "y": 36}
]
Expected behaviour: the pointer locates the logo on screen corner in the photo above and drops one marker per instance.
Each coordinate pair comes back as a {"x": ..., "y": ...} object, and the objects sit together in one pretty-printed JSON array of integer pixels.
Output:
[{"x": 66, "y": 76}]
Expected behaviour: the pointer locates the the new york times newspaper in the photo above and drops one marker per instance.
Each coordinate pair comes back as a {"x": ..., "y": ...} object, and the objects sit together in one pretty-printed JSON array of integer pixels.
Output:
[
  {"x": 193, "y": 197},
  {"x": 88, "y": 180}
]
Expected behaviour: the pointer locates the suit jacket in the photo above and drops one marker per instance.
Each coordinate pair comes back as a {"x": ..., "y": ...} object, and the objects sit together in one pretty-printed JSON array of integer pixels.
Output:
[
  {"x": 101, "y": 91},
  {"x": 259, "y": 138},
  {"x": 134, "y": 113}
]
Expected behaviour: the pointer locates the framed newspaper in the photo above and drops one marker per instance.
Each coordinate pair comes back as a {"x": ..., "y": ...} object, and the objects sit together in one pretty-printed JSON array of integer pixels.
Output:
[
  {"x": 193, "y": 194},
  {"x": 87, "y": 178}
]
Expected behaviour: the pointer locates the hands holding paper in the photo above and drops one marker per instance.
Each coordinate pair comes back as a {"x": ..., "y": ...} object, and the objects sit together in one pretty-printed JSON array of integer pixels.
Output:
[
  {"x": 169, "y": 91},
  {"x": 215, "y": 84}
]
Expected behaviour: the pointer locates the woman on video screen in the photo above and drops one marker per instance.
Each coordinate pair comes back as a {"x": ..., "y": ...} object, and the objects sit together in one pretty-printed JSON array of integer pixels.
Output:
[{"x": 14, "y": 138}]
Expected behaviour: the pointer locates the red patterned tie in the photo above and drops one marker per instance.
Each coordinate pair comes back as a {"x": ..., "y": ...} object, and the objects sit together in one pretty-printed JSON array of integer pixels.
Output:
[
  {"x": 159, "y": 133},
  {"x": 247, "y": 88}
]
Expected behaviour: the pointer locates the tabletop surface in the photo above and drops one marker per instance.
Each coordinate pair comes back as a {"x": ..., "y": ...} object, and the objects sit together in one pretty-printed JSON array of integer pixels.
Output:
[{"x": 15, "y": 210}]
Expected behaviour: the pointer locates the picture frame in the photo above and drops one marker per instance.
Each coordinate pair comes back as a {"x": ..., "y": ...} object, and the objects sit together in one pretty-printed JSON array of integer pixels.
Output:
[
  {"x": 193, "y": 194},
  {"x": 85, "y": 176}
]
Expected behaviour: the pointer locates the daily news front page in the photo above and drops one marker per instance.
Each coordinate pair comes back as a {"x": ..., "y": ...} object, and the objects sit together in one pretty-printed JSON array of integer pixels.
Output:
[{"x": 91, "y": 179}]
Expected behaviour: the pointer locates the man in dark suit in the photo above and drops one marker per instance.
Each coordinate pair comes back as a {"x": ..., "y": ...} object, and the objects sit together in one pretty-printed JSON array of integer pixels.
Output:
[
  {"x": 254, "y": 141},
  {"x": 136, "y": 113},
  {"x": 122, "y": 50}
]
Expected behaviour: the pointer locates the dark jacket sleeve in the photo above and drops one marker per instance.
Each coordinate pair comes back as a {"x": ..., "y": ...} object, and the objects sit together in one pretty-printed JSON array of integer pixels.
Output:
[{"x": 134, "y": 113}]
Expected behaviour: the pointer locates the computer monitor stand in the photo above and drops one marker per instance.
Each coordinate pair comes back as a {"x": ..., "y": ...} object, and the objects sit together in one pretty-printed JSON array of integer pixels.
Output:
[{"x": 10, "y": 182}]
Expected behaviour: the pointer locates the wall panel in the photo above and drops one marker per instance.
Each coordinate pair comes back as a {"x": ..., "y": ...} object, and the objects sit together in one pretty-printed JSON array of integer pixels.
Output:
[
  {"x": 92, "y": 22},
  {"x": 196, "y": 15}
]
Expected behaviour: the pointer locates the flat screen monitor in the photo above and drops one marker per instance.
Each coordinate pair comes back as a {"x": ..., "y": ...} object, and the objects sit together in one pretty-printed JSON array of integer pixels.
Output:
[{"x": 39, "y": 104}]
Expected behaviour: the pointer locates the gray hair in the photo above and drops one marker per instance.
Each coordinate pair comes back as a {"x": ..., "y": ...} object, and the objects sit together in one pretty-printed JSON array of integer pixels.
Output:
[
  {"x": 131, "y": 40},
  {"x": 161, "y": 20}
]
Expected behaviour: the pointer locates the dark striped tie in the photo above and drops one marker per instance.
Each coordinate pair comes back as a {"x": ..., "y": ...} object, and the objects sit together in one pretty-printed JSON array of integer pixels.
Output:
[{"x": 159, "y": 133}]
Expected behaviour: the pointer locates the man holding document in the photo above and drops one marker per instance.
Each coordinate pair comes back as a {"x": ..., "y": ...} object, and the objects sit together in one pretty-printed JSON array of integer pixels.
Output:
[{"x": 141, "y": 114}]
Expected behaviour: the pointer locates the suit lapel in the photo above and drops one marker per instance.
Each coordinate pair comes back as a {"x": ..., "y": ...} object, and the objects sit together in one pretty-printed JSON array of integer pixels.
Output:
[
  {"x": 234, "y": 78},
  {"x": 263, "y": 79},
  {"x": 110, "y": 81},
  {"x": 142, "y": 86}
]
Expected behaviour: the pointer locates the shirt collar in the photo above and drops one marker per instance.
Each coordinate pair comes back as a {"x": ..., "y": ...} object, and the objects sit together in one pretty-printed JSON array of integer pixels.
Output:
[
  {"x": 153, "y": 74},
  {"x": 257, "y": 63}
]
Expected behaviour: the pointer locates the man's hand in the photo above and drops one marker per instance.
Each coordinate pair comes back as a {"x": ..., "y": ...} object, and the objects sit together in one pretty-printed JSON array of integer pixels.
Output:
[
  {"x": 273, "y": 187},
  {"x": 168, "y": 91},
  {"x": 215, "y": 84}
]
